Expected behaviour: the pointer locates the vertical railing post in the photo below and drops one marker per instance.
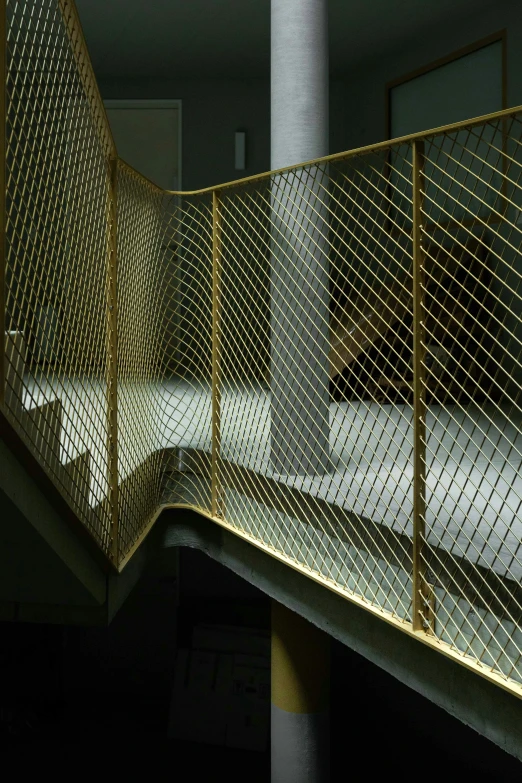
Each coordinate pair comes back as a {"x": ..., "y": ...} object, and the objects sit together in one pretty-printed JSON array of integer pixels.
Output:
[
  {"x": 112, "y": 380},
  {"x": 420, "y": 596},
  {"x": 3, "y": 183},
  {"x": 217, "y": 509}
]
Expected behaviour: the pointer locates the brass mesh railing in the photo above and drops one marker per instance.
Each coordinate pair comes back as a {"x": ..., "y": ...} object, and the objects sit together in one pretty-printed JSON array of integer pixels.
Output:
[
  {"x": 323, "y": 359},
  {"x": 58, "y": 227},
  {"x": 141, "y": 273}
]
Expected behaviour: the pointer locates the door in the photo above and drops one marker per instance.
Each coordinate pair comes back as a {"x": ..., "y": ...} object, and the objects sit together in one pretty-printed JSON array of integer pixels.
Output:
[{"x": 466, "y": 87}]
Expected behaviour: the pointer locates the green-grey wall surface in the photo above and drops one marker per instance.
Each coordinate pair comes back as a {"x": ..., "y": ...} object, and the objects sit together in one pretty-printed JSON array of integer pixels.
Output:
[
  {"x": 212, "y": 111},
  {"x": 365, "y": 85}
]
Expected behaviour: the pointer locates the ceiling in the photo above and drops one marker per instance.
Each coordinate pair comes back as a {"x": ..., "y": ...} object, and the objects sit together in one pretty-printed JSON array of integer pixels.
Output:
[{"x": 184, "y": 38}]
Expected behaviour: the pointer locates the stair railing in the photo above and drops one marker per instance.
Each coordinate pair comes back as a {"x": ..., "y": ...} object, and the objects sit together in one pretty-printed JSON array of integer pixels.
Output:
[{"x": 324, "y": 359}]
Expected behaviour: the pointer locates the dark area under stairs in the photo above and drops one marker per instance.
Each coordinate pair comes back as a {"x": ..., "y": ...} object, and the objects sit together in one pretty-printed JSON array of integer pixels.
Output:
[{"x": 73, "y": 700}]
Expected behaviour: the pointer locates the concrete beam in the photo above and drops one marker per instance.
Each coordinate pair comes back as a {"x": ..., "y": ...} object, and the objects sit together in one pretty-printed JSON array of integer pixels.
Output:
[
  {"x": 29, "y": 522},
  {"x": 491, "y": 711}
]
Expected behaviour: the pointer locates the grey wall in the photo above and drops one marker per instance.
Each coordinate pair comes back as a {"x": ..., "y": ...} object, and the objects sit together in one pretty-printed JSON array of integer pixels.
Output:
[
  {"x": 212, "y": 111},
  {"x": 365, "y": 85}
]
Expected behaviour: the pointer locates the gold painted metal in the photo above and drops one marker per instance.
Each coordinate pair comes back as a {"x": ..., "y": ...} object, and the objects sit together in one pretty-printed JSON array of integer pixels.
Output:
[
  {"x": 300, "y": 663},
  {"x": 145, "y": 295},
  {"x": 85, "y": 71},
  {"x": 429, "y": 611},
  {"x": 375, "y": 539},
  {"x": 112, "y": 356},
  {"x": 217, "y": 507},
  {"x": 55, "y": 309},
  {"x": 3, "y": 129},
  {"x": 359, "y": 151},
  {"x": 163, "y": 400},
  {"x": 504, "y": 197},
  {"x": 419, "y": 394}
]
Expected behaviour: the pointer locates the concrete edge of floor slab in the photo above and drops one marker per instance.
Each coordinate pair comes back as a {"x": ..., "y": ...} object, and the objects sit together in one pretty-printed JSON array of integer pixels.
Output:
[
  {"x": 484, "y": 707},
  {"x": 35, "y": 507}
]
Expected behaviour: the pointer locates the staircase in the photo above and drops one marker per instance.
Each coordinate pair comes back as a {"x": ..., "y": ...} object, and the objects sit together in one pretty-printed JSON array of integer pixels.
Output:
[
  {"x": 41, "y": 427},
  {"x": 152, "y": 400}
]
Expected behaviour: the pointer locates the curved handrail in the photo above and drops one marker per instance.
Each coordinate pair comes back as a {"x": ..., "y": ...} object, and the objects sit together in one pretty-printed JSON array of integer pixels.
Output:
[
  {"x": 367, "y": 149},
  {"x": 152, "y": 334}
]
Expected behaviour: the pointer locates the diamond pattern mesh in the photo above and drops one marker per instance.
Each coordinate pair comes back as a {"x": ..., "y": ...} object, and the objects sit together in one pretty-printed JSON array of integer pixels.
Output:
[{"x": 326, "y": 359}]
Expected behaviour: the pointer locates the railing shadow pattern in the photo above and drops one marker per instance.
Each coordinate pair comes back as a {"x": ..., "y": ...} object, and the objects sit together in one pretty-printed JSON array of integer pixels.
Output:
[{"x": 324, "y": 359}]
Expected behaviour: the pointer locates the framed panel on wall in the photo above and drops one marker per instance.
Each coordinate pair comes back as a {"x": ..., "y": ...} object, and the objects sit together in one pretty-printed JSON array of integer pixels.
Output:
[{"x": 468, "y": 83}]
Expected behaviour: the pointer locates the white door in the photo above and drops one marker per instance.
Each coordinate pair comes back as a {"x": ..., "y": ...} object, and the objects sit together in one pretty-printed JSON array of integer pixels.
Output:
[{"x": 148, "y": 137}]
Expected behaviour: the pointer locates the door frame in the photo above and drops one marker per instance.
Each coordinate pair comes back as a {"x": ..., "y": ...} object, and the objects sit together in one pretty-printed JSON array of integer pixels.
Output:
[
  {"x": 499, "y": 36},
  {"x": 167, "y": 103}
]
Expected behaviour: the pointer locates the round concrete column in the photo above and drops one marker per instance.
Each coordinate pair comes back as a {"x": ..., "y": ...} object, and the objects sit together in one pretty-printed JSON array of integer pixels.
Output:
[
  {"x": 300, "y": 736},
  {"x": 299, "y": 259}
]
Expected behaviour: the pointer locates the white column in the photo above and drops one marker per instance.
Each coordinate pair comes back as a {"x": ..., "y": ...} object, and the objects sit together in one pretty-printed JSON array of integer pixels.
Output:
[
  {"x": 299, "y": 261},
  {"x": 300, "y": 675}
]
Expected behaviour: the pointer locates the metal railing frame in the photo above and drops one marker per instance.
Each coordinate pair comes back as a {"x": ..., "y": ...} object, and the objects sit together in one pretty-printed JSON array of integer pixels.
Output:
[{"x": 421, "y": 625}]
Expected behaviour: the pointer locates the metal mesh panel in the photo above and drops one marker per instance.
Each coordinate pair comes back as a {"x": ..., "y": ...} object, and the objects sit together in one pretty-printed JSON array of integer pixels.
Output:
[
  {"x": 57, "y": 237},
  {"x": 143, "y": 266},
  {"x": 366, "y": 380},
  {"x": 187, "y": 354},
  {"x": 164, "y": 352},
  {"x": 473, "y": 551},
  {"x": 324, "y": 359},
  {"x": 311, "y": 462}
]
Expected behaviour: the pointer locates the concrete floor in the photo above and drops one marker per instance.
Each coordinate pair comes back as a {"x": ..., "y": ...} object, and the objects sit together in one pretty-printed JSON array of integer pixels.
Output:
[
  {"x": 474, "y": 483},
  {"x": 474, "y": 486},
  {"x": 474, "y": 454}
]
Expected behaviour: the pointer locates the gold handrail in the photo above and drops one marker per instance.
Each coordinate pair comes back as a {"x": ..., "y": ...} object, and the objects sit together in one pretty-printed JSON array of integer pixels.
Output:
[
  {"x": 112, "y": 359},
  {"x": 420, "y": 618},
  {"x": 367, "y": 149},
  {"x": 3, "y": 147},
  {"x": 143, "y": 373}
]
